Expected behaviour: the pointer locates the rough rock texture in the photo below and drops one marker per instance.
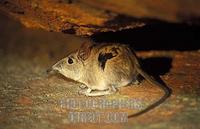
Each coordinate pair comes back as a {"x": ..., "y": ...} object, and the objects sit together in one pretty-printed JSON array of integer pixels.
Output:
[
  {"x": 30, "y": 99},
  {"x": 87, "y": 17},
  {"x": 63, "y": 16}
]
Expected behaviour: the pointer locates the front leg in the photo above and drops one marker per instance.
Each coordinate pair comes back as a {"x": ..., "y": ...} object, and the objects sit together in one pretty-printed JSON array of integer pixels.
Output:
[
  {"x": 89, "y": 92},
  {"x": 85, "y": 91},
  {"x": 83, "y": 86}
]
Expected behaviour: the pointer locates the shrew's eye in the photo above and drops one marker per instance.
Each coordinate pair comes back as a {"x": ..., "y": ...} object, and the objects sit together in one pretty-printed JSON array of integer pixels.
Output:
[{"x": 70, "y": 61}]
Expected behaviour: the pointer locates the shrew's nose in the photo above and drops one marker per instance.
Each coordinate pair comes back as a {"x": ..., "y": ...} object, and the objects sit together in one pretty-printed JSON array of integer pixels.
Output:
[{"x": 49, "y": 70}]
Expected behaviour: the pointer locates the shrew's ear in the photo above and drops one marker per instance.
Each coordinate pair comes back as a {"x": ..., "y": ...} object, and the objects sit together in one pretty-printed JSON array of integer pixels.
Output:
[{"x": 84, "y": 50}]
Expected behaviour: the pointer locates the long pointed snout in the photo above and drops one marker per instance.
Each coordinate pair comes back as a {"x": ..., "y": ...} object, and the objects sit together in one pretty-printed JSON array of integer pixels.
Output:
[
  {"x": 55, "y": 68},
  {"x": 49, "y": 70}
]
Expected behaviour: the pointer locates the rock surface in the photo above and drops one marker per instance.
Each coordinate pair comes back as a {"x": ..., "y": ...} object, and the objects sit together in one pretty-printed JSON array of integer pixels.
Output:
[{"x": 86, "y": 17}]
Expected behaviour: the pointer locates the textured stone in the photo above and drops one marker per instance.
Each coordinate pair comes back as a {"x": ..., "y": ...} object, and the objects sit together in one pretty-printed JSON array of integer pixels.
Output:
[{"x": 86, "y": 17}]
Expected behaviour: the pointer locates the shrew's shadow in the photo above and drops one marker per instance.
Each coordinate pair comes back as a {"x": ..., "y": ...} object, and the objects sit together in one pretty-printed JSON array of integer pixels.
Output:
[
  {"x": 156, "y": 36},
  {"x": 156, "y": 66}
]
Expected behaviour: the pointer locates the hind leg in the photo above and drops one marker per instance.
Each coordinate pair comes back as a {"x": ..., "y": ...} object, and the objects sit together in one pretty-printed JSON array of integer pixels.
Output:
[{"x": 136, "y": 80}]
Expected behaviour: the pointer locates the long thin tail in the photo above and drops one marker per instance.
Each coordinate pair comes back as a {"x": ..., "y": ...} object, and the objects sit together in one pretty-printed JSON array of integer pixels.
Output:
[{"x": 151, "y": 80}]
